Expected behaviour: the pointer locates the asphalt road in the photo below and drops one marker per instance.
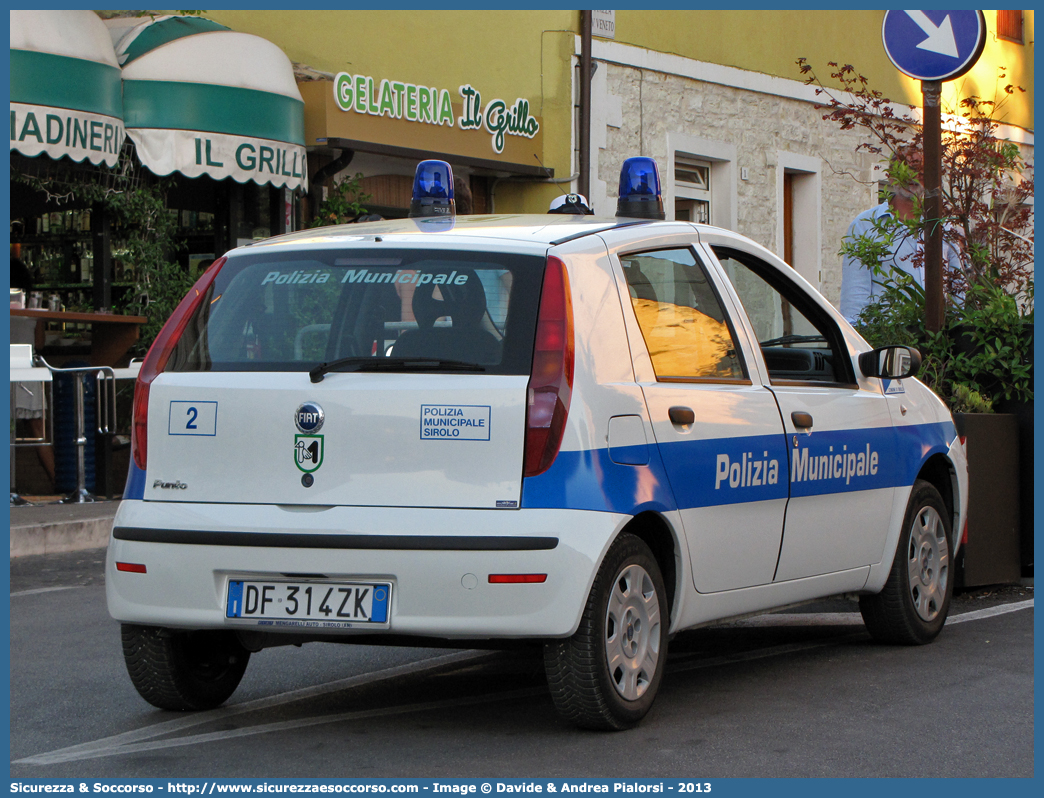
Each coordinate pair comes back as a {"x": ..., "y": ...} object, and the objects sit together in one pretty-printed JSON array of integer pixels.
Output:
[{"x": 800, "y": 694}]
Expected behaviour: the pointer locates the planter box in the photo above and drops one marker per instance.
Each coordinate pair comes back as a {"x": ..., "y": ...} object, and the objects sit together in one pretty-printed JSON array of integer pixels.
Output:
[
  {"x": 991, "y": 553},
  {"x": 1023, "y": 412}
]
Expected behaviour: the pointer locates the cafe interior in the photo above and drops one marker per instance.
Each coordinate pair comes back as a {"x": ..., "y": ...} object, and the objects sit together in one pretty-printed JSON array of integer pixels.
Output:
[{"x": 90, "y": 115}]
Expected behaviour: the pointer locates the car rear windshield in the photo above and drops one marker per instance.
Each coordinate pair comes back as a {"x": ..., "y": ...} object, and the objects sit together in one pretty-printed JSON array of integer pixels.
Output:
[{"x": 442, "y": 310}]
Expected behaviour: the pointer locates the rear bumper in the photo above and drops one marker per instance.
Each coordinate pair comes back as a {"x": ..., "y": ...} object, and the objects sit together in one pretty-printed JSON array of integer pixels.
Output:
[{"x": 438, "y": 562}]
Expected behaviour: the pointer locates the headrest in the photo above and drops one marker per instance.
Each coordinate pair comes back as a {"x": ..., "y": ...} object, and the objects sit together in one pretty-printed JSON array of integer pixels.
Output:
[{"x": 463, "y": 300}]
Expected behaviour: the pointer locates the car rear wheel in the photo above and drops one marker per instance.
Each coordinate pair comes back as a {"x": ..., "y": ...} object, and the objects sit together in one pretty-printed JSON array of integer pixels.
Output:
[
  {"x": 912, "y": 607},
  {"x": 606, "y": 675},
  {"x": 183, "y": 670}
]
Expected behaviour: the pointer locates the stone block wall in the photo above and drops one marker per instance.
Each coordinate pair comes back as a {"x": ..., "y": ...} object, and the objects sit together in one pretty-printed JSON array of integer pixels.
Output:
[{"x": 760, "y": 126}]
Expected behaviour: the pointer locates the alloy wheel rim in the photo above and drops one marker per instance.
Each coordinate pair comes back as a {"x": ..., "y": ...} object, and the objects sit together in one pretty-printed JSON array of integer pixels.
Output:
[
  {"x": 632, "y": 632},
  {"x": 928, "y": 561}
]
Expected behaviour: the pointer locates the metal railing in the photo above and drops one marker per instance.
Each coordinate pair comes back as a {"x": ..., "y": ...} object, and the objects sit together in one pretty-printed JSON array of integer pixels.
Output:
[{"x": 105, "y": 418}]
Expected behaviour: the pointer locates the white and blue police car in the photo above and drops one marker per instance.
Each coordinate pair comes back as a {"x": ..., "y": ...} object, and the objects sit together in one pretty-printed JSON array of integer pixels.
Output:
[{"x": 589, "y": 433}]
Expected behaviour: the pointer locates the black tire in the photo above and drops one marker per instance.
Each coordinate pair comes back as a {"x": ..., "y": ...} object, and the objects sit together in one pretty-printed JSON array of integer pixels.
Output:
[
  {"x": 912, "y": 607},
  {"x": 183, "y": 670},
  {"x": 626, "y": 613}
]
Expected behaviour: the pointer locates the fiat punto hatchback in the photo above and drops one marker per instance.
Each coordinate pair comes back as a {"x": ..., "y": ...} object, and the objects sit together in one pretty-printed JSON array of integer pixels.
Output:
[{"x": 590, "y": 433}]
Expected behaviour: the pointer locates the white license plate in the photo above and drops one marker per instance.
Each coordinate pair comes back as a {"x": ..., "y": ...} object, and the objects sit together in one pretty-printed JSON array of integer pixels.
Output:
[{"x": 318, "y": 604}]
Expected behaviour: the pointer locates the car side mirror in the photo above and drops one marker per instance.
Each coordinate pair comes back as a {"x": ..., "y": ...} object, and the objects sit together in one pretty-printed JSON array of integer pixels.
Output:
[{"x": 890, "y": 362}]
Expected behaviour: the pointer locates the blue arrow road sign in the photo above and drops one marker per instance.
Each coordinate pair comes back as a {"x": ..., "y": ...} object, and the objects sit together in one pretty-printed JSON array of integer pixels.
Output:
[{"x": 934, "y": 45}]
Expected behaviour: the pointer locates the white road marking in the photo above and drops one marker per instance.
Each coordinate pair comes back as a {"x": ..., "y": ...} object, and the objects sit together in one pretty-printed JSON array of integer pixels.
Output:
[
  {"x": 75, "y": 752},
  {"x": 989, "y": 612},
  {"x": 36, "y": 590},
  {"x": 855, "y": 619},
  {"x": 821, "y": 619},
  {"x": 143, "y": 739},
  {"x": 265, "y": 728}
]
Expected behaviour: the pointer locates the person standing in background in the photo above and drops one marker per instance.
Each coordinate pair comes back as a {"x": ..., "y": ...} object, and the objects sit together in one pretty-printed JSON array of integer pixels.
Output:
[
  {"x": 462, "y": 196},
  {"x": 893, "y": 230}
]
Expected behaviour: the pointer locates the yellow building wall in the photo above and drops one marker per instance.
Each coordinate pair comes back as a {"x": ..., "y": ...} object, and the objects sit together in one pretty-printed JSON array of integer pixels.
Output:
[
  {"x": 501, "y": 49},
  {"x": 504, "y": 54},
  {"x": 510, "y": 54},
  {"x": 771, "y": 41}
]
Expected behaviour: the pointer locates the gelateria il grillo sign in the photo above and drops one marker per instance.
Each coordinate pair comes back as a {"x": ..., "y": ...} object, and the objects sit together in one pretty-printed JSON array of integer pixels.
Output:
[{"x": 434, "y": 106}]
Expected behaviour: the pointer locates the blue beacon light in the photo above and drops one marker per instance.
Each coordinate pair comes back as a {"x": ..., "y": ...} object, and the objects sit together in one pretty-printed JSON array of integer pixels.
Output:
[
  {"x": 433, "y": 190},
  {"x": 639, "y": 195}
]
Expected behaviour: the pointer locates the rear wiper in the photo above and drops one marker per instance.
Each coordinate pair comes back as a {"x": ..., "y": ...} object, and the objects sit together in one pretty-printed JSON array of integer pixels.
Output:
[
  {"x": 792, "y": 339},
  {"x": 391, "y": 364}
]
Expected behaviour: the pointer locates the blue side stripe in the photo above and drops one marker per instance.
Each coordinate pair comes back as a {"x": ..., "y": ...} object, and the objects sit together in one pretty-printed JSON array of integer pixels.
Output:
[
  {"x": 916, "y": 444},
  {"x": 865, "y": 459},
  {"x": 845, "y": 461},
  {"x": 590, "y": 480},
  {"x": 135, "y": 487},
  {"x": 755, "y": 469}
]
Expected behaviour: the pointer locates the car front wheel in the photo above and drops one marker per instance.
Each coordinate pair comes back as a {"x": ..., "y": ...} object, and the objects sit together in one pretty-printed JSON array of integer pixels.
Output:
[
  {"x": 183, "y": 670},
  {"x": 912, "y": 607},
  {"x": 606, "y": 675}
]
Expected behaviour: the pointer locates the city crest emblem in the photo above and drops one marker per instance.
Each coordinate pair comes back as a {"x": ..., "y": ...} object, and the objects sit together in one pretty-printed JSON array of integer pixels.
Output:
[{"x": 308, "y": 452}]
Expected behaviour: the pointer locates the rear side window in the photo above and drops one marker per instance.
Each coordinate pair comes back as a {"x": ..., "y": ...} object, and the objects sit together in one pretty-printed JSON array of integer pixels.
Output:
[
  {"x": 293, "y": 312},
  {"x": 683, "y": 323}
]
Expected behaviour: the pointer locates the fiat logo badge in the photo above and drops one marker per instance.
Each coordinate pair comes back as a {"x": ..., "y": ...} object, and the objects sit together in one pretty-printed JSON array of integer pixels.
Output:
[{"x": 309, "y": 418}]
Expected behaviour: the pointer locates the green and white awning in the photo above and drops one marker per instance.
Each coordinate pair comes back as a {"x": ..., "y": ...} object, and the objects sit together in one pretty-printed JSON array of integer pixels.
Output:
[
  {"x": 65, "y": 87},
  {"x": 204, "y": 100}
]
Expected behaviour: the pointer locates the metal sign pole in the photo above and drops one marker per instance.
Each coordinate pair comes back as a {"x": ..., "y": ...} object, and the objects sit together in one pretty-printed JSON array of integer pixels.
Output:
[
  {"x": 81, "y": 494},
  {"x": 933, "y": 46},
  {"x": 585, "y": 104},
  {"x": 932, "y": 211}
]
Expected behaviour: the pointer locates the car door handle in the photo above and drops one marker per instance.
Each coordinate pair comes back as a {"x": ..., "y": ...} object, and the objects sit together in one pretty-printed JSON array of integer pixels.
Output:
[
  {"x": 801, "y": 419},
  {"x": 681, "y": 415}
]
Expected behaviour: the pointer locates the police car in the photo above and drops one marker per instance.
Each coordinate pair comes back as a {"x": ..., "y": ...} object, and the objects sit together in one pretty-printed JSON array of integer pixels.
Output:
[{"x": 590, "y": 433}]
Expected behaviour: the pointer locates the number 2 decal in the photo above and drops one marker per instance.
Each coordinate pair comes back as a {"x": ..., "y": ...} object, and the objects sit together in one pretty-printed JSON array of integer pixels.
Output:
[{"x": 193, "y": 418}]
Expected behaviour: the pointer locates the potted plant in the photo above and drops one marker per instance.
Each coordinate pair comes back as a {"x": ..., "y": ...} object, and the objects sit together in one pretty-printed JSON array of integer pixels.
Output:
[
  {"x": 343, "y": 203},
  {"x": 981, "y": 361}
]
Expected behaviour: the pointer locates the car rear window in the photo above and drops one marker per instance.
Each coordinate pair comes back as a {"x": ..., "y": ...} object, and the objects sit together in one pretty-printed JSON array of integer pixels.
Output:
[{"x": 291, "y": 312}]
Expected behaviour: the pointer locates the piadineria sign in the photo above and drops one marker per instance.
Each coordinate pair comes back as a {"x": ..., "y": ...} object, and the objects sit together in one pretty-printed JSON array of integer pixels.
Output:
[
  {"x": 65, "y": 94},
  {"x": 59, "y": 132},
  {"x": 431, "y": 105}
]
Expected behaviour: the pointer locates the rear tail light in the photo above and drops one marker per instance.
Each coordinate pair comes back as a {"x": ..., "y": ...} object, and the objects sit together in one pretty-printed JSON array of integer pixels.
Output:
[
  {"x": 139, "y": 438},
  {"x": 132, "y": 567},
  {"x": 157, "y": 357},
  {"x": 551, "y": 379}
]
